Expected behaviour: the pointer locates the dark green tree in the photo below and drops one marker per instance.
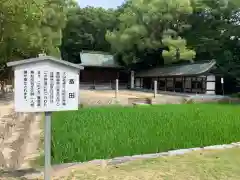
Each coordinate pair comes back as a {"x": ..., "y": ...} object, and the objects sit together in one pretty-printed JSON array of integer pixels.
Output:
[
  {"x": 29, "y": 27},
  {"x": 85, "y": 30},
  {"x": 151, "y": 25},
  {"x": 215, "y": 33}
]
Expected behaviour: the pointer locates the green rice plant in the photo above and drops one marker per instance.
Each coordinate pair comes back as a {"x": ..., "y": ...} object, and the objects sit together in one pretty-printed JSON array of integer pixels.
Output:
[{"x": 107, "y": 132}]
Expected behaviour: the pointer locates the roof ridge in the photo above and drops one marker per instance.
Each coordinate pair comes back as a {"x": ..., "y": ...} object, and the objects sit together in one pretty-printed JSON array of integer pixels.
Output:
[
  {"x": 44, "y": 58},
  {"x": 180, "y": 70},
  {"x": 189, "y": 63},
  {"x": 98, "y": 59}
]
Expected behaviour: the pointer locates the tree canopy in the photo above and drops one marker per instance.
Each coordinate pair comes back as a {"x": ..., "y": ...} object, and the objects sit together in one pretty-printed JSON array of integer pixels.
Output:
[
  {"x": 152, "y": 24},
  {"x": 156, "y": 32},
  {"x": 30, "y": 27},
  {"x": 215, "y": 33},
  {"x": 85, "y": 30}
]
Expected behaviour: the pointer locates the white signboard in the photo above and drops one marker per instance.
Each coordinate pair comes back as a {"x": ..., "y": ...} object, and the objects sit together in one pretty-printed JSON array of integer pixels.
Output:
[
  {"x": 45, "y": 86},
  {"x": 222, "y": 80}
]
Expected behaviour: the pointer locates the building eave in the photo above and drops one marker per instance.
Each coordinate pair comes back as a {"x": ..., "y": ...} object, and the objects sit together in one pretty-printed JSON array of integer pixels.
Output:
[{"x": 179, "y": 70}]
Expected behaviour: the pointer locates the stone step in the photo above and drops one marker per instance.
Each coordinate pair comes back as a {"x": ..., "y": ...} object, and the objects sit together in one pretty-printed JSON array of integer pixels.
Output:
[
  {"x": 98, "y": 101},
  {"x": 139, "y": 100}
]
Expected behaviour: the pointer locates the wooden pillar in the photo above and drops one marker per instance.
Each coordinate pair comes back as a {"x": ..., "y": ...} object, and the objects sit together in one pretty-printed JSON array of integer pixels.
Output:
[
  {"x": 191, "y": 83},
  {"x": 116, "y": 89},
  {"x": 165, "y": 84},
  {"x": 94, "y": 84},
  {"x": 155, "y": 88},
  {"x": 205, "y": 81},
  {"x": 117, "y": 75},
  {"x": 94, "y": 75},
  {"x": 174, "y": 80},
  {"x": 183, "y": 83},
  {"x": 151, "y": 84},
  {"x": 202, "y": 90}
]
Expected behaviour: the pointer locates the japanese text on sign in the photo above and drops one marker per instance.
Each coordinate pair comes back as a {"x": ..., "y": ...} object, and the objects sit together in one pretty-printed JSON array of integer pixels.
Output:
[
  {"x": 48, "y": 88},
  {"x": 38, "y": 89}
]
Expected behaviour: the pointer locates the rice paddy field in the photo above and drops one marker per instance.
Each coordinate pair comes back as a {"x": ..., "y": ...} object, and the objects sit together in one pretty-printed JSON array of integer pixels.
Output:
[{"x": 107, "y": 132}]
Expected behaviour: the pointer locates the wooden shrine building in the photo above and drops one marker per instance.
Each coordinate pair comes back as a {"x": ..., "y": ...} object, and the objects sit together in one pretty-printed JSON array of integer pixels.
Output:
[
  {"x": 100, "y": 71},
  {"x": 199, "y": 77}
]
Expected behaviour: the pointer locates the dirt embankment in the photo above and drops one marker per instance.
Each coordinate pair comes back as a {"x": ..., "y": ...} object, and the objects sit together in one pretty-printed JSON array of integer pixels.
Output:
[{"x": 19, "y": 139}]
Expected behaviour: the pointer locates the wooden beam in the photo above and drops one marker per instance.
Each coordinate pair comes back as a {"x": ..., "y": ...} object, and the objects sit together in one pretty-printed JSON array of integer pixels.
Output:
[
  {"x": 165, "y": 84},
  {"x": 174, "y": 81},
  {"x": 183, "y": 83},
  {"x": 117, "y": 75},
  {"x": 205, "y": 84},
  {"x": 191, "y": 84}
]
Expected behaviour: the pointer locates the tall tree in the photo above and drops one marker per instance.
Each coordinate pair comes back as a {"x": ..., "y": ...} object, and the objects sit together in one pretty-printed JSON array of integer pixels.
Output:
[
  {"x": 29, "y": 27},
  {"x": 16, "y": 18},
  {"x": 55, "y": 12},
  {"x": 151, "y": 24},
  {"x": 85, "y": 30},
  {"x": 215, "y": 33}
]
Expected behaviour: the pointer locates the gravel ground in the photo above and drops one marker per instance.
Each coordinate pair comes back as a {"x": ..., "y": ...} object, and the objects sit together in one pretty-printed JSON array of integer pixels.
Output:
[
  {"x": 19, "y": 139},
  {"x": 107, "y": 97}
]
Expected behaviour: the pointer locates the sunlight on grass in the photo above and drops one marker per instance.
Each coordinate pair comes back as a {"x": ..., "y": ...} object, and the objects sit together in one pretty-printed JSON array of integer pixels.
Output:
[
  {"x": 107, "y": 132},
  {"x": 200, "y": 165}
]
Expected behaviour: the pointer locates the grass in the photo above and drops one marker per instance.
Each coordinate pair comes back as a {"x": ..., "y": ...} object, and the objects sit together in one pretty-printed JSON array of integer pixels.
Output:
[
  {"x": 199, "y": 165},
  {"x": 107, "y": 132},
  {"x": 203, "y": 165}
]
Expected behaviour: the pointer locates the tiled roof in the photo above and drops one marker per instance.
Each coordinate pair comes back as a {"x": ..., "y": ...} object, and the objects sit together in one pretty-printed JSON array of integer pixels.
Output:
[
  {"x": 179, "y": 70},
  {"x": 98, "y": 59},
  {"x": 44, "y": 58}
]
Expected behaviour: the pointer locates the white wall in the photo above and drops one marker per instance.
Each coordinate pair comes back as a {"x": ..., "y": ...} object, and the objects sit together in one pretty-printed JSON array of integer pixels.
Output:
[{"x": 210, "y": 85}]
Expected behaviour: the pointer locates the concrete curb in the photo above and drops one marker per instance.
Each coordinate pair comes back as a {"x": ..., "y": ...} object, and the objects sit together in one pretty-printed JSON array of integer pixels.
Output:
[{"x": 120, "y": 160}]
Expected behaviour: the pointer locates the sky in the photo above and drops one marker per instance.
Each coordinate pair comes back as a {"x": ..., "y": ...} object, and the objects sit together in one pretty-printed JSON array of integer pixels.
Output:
[{"x": 100, "y": 3}]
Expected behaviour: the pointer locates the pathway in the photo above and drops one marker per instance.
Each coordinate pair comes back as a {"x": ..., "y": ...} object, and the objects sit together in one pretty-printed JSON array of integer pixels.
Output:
[
  {"x": 106, "y": 97},
  {"x": 19, "y": 139}
]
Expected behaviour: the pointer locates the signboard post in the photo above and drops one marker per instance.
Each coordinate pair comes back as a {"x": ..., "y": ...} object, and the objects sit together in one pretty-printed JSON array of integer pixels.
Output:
[
  {"x": 132, "y": 80},
  {"x": 46, "y": 84},
  {"x": 116, "y": 89},
  {"x": 47, "y": 146},
  {"x": 222, "y": 82},
  {"x": 155, "y": 89}
]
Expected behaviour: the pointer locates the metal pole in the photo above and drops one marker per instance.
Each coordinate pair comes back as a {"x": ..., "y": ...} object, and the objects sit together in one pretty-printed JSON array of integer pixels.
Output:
[
  {"x": 222, "y": 82},
  {"x": 155, "y": 88},
  {"x": 116, "y": 89},
  {"x": 132, "y": 79},
  {"x": 47, "y": 146}
]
